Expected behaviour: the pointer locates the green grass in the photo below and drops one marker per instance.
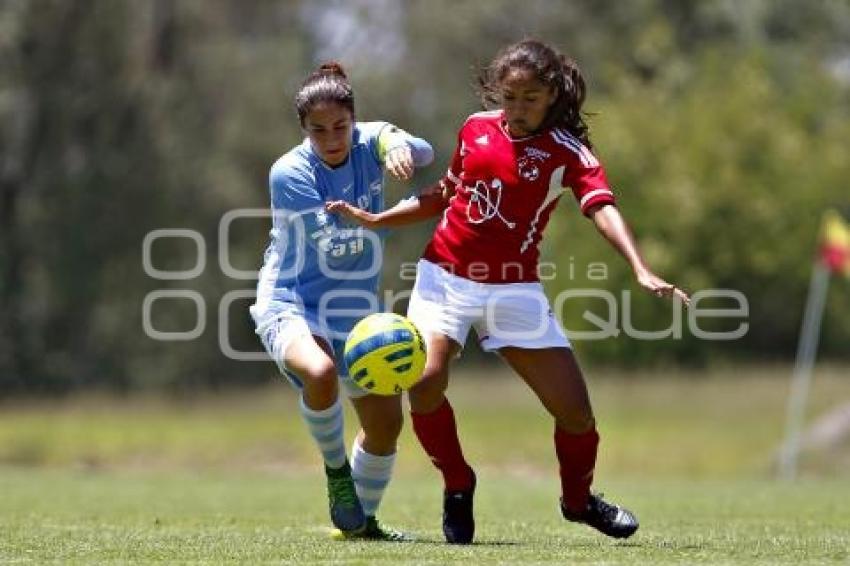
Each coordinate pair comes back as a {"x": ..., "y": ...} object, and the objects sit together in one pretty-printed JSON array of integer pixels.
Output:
[
  {"x": 94, "y": 517},
  {"x": 234, "y": 479}
]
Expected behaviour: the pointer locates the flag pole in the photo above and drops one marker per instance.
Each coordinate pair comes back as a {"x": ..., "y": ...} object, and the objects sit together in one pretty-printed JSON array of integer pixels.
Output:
[{"x": 801, "y": 380}]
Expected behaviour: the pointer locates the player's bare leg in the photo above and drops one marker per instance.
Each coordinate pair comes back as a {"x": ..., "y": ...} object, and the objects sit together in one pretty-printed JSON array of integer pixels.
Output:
[
  {"x": 309, "y": 359},
  {"x": 372, "y": 460},
  {"x": 381, "y": 421},
  {"x": 435, "y": 427},
  {"x": 554, "y": 376}
]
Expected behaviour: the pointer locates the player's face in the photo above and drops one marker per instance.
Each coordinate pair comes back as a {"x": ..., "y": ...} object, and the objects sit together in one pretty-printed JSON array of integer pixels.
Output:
[
  {"x": 525, "y": 101},
  {"x": 328, "y": 125}
]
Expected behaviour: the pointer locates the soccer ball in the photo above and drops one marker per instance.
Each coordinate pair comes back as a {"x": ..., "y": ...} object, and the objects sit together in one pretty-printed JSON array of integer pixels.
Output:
[{"x": 385, "y": 354}]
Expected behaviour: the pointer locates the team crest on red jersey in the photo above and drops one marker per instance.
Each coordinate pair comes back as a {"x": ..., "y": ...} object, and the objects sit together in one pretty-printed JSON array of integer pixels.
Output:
[
  {"x": 528, "y": 168},
  {"x": 529, "y": 164}
]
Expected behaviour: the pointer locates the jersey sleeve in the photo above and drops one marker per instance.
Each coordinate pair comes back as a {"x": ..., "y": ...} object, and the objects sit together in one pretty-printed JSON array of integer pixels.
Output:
[
  {"x": 293, "y": 191},
  {"x": 297, "y": 204},
  {"x": 586, "y": 177}
]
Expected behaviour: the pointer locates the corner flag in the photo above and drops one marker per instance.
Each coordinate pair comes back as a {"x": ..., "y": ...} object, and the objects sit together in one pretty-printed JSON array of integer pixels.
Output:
[
  {"x": 835, "y": 243},
  {"x": 834, "y": 247}
]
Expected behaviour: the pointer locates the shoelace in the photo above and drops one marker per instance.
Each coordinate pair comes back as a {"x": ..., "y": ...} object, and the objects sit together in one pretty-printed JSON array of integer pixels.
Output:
[
  {"x": 604, "y": 509},
  {"x": 377, "y": 529},
  {"x": 339, "y": 491}
]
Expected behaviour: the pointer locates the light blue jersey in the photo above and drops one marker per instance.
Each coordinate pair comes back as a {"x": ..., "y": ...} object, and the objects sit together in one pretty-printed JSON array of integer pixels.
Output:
[{"x": 317, "y": 261}]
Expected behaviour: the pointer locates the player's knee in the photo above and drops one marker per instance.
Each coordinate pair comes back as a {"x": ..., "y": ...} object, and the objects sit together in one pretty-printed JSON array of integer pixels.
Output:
[
  {"x": 321, "y": 375},
  {"x": 435, "y": 376},
  {"x": 429, "y": 392}
]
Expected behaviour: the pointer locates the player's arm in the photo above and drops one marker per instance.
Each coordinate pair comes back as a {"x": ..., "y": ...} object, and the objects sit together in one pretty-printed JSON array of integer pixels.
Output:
[
  {"x": 297, "y": 203},
  {"x": 401, "y": 152},
  {"x": 613, "y": 227},
  {"x": 429, "y": 203}
]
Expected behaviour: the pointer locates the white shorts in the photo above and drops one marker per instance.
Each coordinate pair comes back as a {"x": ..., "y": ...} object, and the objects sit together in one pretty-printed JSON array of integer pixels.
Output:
[
  {"x": 292, "y": 323},
  {"x": 510, "y": 314}
]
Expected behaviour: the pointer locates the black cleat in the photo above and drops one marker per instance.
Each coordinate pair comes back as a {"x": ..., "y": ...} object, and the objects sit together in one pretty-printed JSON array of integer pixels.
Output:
[
  {"x": 609, "y": 519},
  {"x": 458, "y": 520}
]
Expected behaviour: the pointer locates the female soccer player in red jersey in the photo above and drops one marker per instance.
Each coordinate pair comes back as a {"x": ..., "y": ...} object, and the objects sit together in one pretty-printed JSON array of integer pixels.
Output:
[{"x": 479, "y": 270}]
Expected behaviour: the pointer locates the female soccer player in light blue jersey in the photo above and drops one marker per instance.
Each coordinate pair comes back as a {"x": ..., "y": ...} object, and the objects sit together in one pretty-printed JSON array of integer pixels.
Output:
[{"x": 320, "y": 275}]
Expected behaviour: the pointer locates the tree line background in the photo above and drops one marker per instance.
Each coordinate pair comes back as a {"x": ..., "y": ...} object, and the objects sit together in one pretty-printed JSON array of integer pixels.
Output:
[{"x": 724, "y": 129}]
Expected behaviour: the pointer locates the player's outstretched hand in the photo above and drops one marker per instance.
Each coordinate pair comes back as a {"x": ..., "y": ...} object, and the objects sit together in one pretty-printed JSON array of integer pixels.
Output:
[
  {"x": 660, "y": 288},
  {"x": 399, "y": 162},
  {"x": 346, "y": 210}
]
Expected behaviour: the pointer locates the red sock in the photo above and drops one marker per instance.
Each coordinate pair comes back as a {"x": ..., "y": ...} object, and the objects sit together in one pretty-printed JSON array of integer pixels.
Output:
[
  {"x": 577, "y": 458},
  {"x": 437, "y": 433}
]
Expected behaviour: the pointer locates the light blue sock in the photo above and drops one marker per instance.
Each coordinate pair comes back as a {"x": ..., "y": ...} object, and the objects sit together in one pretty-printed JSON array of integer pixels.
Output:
[
  {"x": 326, "y": 428},
  {"x": 371, "y": 475}
]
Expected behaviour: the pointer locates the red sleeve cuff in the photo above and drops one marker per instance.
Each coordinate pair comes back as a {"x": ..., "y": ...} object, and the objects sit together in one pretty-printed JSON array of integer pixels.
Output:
[{"x": 596, "y": 197}]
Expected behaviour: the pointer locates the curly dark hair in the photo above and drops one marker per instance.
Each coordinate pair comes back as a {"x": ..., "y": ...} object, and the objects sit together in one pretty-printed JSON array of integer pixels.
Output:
[{"x": 551, "y": 68}]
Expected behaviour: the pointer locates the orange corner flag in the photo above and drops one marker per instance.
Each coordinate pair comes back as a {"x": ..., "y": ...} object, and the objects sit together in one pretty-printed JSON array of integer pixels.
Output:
[{"x": 835, "y": 243}]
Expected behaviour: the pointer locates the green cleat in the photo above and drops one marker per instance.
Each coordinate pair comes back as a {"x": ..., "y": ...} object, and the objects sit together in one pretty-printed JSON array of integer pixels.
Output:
[
  {"x": 346, "y": 511},
  {"x": 373, "y": 531}
]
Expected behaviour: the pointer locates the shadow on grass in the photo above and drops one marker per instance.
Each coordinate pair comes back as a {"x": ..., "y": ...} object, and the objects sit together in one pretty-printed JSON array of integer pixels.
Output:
[{"x": 441, "y": 542}]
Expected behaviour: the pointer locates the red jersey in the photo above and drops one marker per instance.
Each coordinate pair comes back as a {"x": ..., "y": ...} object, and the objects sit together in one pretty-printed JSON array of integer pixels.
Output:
[{"x": 505, "y": 191}]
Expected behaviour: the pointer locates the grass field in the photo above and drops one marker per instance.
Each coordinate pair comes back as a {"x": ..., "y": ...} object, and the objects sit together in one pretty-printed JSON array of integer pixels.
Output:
[{"x": 232, "y": 479}]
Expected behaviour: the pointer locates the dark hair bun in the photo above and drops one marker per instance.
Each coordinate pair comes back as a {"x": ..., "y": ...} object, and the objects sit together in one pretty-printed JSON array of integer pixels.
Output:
[
  {"x": 332, "y": 68},
  {"x": 327, "y": 83}
]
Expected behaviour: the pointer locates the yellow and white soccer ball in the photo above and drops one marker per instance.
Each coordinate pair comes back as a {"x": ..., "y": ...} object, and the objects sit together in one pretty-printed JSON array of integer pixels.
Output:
[{"x": 385, "y": 354}]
